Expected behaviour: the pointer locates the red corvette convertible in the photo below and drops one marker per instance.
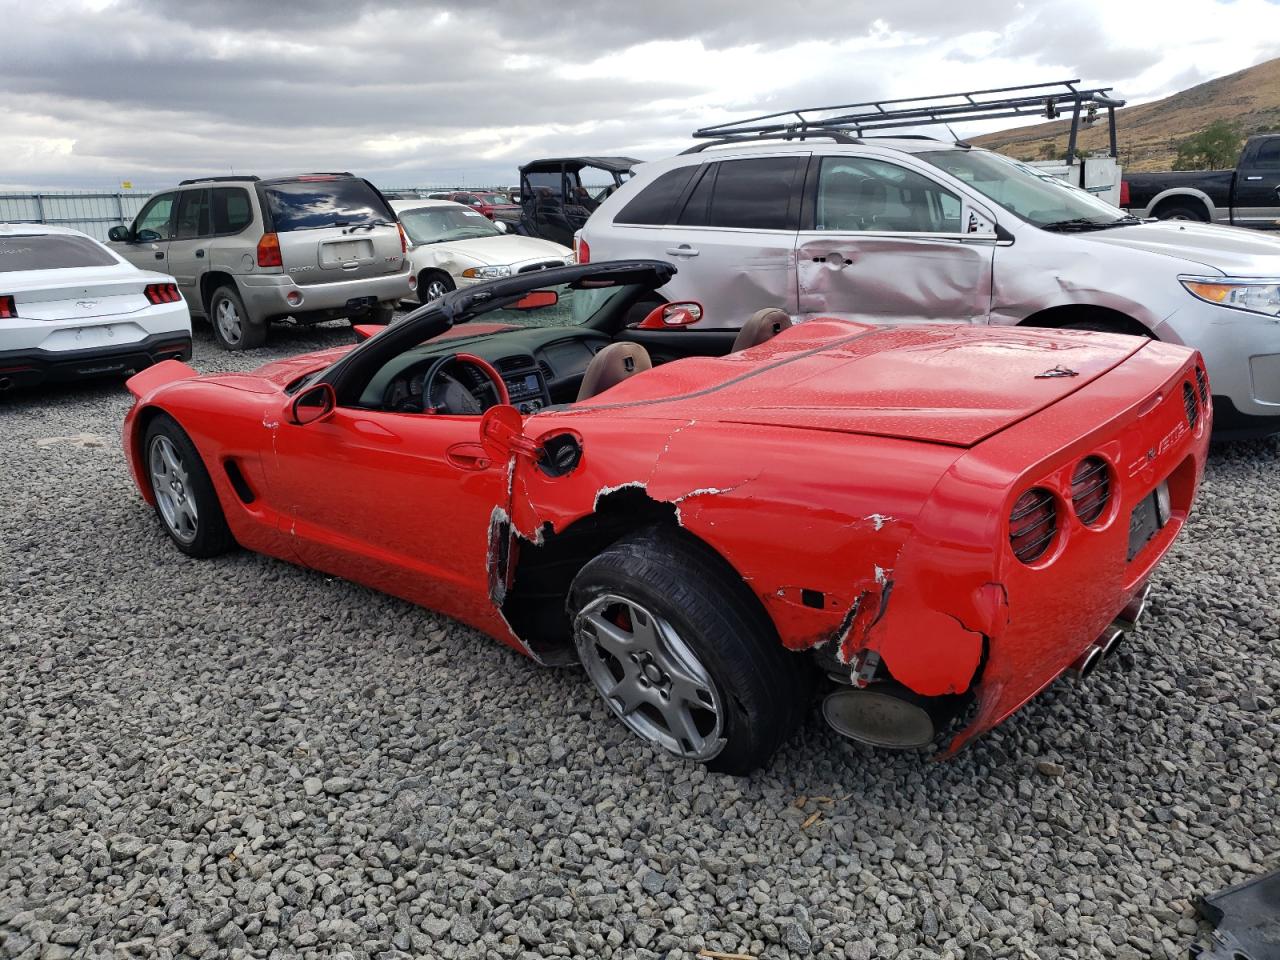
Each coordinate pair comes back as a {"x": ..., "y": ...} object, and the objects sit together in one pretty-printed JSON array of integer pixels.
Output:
[{"x": 939, "y": 519}]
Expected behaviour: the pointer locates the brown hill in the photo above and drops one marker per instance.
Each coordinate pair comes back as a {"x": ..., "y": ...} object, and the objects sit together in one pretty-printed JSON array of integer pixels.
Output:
[{"x": 1148, "y": 134}]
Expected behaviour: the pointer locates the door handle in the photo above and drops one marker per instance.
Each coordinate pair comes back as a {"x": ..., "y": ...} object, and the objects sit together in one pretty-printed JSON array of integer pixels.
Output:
[
  {"x": 837, "y": 260},
  {"x": 159, "y": 254},
  {"x": 200, "y": 253},
  {"x": 684, "y": 250},
  {"x": 1253, "y": 178},
  {"x": 469, "y": 456}
]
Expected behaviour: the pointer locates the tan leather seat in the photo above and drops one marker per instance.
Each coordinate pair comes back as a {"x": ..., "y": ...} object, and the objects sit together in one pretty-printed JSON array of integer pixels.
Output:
[
  {"x": 611, "y": 366},
  {"x": 763, "y": 325}
]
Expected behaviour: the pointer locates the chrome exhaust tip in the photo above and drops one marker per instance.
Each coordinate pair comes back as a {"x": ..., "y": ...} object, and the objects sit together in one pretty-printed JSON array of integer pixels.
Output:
[
  {"x": 1110, "y": 640},
  {"x": 1134, "y": 609},
  {"x": 1086, "y": 663},
  {"x": 884, "y": 717}
]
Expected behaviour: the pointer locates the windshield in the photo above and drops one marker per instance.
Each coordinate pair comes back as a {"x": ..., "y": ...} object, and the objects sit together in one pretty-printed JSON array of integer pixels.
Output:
[
  {"x": 572, "y": 306},
  {"x": 1033, "y": 195},
  {"x": 492, "y": 198},
  {"x": 441, "y": 224}
]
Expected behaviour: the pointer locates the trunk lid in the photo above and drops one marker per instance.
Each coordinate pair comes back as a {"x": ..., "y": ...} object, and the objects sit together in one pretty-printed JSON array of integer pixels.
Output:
[
  {"x": 954, "y": 385},
  {"x": 95, "y": 292}
]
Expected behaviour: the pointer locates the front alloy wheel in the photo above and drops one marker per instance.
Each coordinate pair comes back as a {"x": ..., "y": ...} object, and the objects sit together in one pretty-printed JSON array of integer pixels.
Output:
[{"x": 173, "y": 489}]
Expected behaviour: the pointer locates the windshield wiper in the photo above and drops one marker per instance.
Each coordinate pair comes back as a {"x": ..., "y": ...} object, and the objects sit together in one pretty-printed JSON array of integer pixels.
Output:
[{"x": 1075, "y": 223}]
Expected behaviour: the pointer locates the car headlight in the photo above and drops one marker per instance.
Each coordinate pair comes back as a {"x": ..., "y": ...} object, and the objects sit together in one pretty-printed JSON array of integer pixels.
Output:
[
  {"x": 1259, "y": 296},
  {"x": 486, "y": 273}
]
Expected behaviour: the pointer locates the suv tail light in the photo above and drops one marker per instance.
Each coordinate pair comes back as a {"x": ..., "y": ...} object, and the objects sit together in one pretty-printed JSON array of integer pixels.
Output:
[
  {"x": 1033, "y": 523},
  {"x": 404, "y": 241},
  {"x": 269, "y": 251},
  {"x": 581, "y": 252},
  {"x": 1090, "y": 489},
  {"x": 162, "y": 293},
  {"x": 1124, "y": 193},
  {"x": 7, "y": 309}
]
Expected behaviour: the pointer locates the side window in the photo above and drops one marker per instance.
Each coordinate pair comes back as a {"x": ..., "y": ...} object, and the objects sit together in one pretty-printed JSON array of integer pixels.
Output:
[
  {"x": 156, "y": 215},
  {"x": 696, "y": 207},
  {"x": 656, "y": 202},
  {"x": 193, "y": 215},
  {"x": 232, "y": 211},
  {"x": 757, "y": 194},
  {"x": 543, "y": 183},
  {"x": 1268, "y": 156},
  {"x": 859, "y": 193}
]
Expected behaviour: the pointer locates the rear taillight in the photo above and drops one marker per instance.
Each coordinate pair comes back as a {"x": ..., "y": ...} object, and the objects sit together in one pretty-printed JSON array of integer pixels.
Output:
[
  {"x": 8, "y": 311},
  {"x": 1189, "y": 402},
  {"x": 581, "y": 251},
  {"x": 1202, "y": 381},
  {"x": 1033, "y": 523},
  {"x": 162, "y": 293},
  {"x": 1124, "y": 193},
  {"x": 1090, "y": 489},
  {"x": 404, "y": 241},
  {"x": 269, "y": 251}
]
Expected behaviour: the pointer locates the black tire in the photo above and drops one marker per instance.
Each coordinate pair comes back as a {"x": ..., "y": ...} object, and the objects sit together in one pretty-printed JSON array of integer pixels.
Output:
[
  {"x": 764, "y": 691},
  {"x": 444, "y": 284},
  {"x": 1179, "y": 211},
  {"x": 208, "y": 535},
  {"x": 252, "y": 333}
]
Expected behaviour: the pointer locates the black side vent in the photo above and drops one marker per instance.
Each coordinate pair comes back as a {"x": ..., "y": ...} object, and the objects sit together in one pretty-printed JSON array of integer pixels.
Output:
[
  {"x": 238, "y": 482},
  {"x": 545, "y": 368},
  {"x": 1090, "y": 489},
  {"x": 1202, "y": 382},
  {"x": 1189, "y": 401},
  {"x": 1033, "y": 523}
]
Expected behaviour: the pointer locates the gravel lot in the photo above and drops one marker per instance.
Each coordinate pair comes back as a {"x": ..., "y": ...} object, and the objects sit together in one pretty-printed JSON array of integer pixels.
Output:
[{"x": 240, "y": 757}]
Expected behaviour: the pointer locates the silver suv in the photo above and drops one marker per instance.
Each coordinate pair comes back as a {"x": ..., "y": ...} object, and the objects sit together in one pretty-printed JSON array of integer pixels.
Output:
[
  {"x": 911, "y": 230},
  {"x": 246, "y": 251}
]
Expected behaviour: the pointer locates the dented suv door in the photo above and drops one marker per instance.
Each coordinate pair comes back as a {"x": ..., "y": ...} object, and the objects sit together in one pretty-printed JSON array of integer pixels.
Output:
[{"x": 883, "y": 243}]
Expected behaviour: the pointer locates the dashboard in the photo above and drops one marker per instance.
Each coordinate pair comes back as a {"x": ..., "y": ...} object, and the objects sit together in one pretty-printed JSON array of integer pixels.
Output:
[{"x": 547, "y": 371}]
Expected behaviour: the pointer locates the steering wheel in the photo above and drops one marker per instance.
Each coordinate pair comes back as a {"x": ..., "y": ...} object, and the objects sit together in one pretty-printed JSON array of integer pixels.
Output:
[{"x": 496, "y": 382}]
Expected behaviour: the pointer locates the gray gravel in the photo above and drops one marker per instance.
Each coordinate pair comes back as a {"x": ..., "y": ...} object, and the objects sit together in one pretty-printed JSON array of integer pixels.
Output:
[{"x": 240, "y": 757}]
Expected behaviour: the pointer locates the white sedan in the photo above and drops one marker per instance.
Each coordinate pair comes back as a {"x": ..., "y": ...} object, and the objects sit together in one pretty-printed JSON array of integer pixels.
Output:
[
  {"x": 451, "y": 246},
  {"x": 70, "y": 308}
]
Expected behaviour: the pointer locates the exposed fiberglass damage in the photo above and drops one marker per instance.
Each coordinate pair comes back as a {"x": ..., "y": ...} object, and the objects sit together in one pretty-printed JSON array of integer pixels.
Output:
[{"x": 547, "y": 530}]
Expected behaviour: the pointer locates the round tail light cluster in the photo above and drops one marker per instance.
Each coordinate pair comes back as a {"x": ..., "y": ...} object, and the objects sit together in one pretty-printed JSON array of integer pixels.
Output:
[
  {"x": 1192, "y": 407},
  {"x": 1033, "y": 523},
  {"x": 1090, "y": 489}
]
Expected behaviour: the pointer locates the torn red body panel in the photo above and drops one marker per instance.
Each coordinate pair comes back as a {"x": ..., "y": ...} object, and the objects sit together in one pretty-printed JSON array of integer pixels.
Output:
[{"x": 860, "y": 481}]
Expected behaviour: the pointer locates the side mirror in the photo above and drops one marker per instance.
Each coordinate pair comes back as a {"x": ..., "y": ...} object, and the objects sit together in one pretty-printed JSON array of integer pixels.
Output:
[
  {"x": 672, "y": 316},
  {"x": 146, "y": 236},
  {"x": 118, "y": 234},
  {"x": 502, "y": 226},
  {"x": 313, "y": 404}
]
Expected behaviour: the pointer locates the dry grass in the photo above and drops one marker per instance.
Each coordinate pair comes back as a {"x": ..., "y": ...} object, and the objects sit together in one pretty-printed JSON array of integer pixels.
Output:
[{"x": 1149, "y": 133}]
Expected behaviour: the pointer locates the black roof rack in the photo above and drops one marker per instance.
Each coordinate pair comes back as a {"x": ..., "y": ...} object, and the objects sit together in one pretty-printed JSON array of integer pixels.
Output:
[
  {"x": 1049, "y": 100},
  {"x": 241, "y": 179}
]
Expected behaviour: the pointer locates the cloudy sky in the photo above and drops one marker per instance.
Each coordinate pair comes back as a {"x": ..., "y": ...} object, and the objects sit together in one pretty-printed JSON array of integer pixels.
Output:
[{"x": 96, "y": 92}]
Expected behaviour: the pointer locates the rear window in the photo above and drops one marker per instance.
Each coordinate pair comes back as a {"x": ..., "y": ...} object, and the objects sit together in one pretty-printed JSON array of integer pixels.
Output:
[
  {"x": 51, "y": 252},
  {"x": 312, "y": 204}
]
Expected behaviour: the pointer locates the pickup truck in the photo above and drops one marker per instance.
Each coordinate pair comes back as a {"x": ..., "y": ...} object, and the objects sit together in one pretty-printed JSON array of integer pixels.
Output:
[{"x": 1248, "y": 196}]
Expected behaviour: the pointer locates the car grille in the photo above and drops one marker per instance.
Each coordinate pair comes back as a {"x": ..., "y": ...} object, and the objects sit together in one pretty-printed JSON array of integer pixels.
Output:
[
  {"x": 1090, "y": 488},
  {"x": 543, "y": 265},
  {"x": 1189, "y": 401},
  {"x": 1033, "y": 523}
]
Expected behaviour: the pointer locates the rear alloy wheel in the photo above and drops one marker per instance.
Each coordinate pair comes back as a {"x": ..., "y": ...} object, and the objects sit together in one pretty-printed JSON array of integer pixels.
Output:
[
  {"x": 185, "y": 499},
  {"x": 433, "y": 285},
  {"x": 1180, "y": 212},
  {"x": 683, "y": 653},
  {"x": 233, "y": 328}
]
